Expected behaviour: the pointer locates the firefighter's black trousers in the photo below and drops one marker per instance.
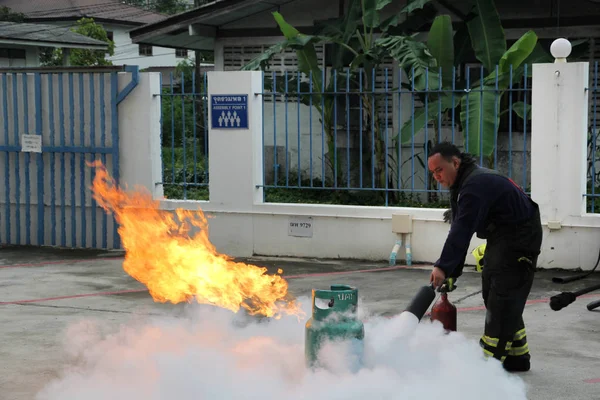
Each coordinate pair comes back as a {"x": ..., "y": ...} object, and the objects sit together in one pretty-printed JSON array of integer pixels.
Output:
[{"x": 509, "y": 265}]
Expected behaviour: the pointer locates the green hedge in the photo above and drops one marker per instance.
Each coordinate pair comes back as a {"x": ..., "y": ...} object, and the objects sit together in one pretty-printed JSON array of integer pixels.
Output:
[{"x": 175, "y": 174}]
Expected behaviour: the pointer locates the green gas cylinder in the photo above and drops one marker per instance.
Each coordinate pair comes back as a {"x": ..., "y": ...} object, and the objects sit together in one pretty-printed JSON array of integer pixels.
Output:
[{"x": 334, "y": 318}]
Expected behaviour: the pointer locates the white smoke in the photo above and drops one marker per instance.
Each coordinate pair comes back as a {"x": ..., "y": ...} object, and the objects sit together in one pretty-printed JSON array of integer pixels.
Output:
[{"x": 214, "y": 354}]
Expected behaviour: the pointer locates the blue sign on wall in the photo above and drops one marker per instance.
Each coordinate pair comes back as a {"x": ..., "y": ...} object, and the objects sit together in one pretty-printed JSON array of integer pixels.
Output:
[{"x": 229, "y": 111}]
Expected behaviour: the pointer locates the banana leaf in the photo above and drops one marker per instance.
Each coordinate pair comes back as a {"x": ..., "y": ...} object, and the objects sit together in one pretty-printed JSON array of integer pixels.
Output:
[
  {"x": 441, "y": 45},
  {"x": 262, "y": 60},
  {"x": 487, "y": 34},
  {"x": 462, "y": 43},
  {"x": 480, "y": 117},
  {"x": 414, "y": 58},
  {"x": 414, "y": 5},
  {"x": 371, "y": 8},
  {"x": 307, "y": 56},
  {"x": 518, "y": 52},
  {"x": 419, "y": 120},
  {"x": 522, "y": 110},
  {"x": 512, "y": 60}
]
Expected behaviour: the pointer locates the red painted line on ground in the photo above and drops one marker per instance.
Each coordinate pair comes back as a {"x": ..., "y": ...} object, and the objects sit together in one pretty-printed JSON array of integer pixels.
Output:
[
  {"x": 57, "y": 262},
  {"x": 73, "y": 296},
  {"x": 597, "y": 380},
  {"x": 399, "y": 267},
  {"x": 145, "y": 290}
]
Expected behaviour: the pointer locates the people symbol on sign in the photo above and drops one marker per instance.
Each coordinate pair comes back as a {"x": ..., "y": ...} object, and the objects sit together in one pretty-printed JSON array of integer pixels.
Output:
[{"x": 230, "y": 119}]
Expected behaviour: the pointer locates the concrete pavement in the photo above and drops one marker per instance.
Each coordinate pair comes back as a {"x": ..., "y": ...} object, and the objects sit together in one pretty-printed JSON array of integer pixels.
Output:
[{"x": 43, "y": 292}]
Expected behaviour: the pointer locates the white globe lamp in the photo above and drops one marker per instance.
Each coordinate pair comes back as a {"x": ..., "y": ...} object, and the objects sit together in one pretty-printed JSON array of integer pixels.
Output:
[{"x": 560, "y": 49}]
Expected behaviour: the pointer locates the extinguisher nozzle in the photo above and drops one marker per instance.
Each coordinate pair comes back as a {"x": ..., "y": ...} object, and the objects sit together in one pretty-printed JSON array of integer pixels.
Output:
[{"x": 421, "y": 301}]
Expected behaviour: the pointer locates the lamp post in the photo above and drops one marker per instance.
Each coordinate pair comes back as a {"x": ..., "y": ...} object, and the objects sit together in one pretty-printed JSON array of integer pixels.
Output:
[{"x": 560, "y": 49}]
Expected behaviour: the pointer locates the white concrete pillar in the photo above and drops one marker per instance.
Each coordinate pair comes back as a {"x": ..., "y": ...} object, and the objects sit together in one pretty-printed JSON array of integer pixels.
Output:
[
  {"x": 235, "y": 162},
  {"x": 559, "y": 137},
  {"x": 139, "y": 134}
]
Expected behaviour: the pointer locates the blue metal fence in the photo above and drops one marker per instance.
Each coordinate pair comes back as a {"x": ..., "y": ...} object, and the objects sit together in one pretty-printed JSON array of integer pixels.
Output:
[
  {"x": 363, "y": 137},
  {"x": 45, "y": 194},
  {"x": 593, "y": 177},
  {"x": 184, "y": 135}
]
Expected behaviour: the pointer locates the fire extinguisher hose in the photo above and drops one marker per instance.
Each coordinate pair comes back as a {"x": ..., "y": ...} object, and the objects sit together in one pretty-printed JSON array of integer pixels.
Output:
[{"x": 467, "y": 296}]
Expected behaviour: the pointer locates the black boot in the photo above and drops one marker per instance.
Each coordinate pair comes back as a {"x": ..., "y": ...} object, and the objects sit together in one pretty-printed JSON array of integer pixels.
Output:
[{"x": 517, "y": 363}]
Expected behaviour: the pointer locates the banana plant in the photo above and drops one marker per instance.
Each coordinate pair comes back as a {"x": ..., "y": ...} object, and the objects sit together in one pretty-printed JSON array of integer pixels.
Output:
[
  {"x": 356, "y": 52},
  {"x": 429, "y": 66},
  {"x": 304, "y": 45},
  {"x": 479, "y": 101}
]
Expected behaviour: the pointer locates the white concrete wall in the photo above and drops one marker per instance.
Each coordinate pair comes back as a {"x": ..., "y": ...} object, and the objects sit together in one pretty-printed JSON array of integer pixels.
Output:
[
  {"x": 559, "y": 162},
  {"x": 127, "y": 52},
  {"x": 139, "y": 120},
  {"x": 242, "y": 225}
]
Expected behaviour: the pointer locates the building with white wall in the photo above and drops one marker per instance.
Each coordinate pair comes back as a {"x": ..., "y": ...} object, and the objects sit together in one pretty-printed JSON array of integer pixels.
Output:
[
  {"x": 238, "y": 30},
  {"x": 20, "y": 43},
  {"x": 116, "y": 18}
]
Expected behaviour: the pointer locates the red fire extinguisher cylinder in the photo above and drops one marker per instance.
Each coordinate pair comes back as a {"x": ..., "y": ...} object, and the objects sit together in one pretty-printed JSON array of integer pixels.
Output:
[{"x": 445, "y": 312}]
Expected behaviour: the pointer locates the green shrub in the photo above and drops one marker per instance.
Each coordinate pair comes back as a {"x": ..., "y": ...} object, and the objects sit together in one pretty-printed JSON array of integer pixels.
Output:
[{"x": 185, "y": 180}]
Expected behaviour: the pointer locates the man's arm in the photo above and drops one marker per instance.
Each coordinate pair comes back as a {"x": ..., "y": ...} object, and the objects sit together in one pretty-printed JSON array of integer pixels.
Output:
[{"x": 471, "y": 209}]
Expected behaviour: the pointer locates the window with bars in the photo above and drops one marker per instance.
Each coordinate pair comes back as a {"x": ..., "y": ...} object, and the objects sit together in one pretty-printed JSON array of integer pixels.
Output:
[
  {"x": 235, "y": 57},
  {"x": 15, "y": 54},
  {"x": 145, "y": 50}
]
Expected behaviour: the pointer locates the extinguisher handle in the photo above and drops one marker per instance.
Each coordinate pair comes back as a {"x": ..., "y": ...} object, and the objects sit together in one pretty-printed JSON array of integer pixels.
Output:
[{"x": 448, "y": 286}]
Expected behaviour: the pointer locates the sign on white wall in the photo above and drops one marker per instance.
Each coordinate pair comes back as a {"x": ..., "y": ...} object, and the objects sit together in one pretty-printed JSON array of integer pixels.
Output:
[
  {"x": 229, "y": 111},
  {"x": 31, "y": 143},
  {"x": 300, "y": 226}
]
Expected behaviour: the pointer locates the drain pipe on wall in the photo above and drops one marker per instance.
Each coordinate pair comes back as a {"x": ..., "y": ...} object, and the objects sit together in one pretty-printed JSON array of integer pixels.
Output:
[
  {"x": 402, "y": 227},
  {"x": 135, "y": 79}
]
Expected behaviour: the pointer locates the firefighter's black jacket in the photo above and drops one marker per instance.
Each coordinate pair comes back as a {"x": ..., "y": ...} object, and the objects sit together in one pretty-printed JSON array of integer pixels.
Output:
[{"x": 482, "y": 201}]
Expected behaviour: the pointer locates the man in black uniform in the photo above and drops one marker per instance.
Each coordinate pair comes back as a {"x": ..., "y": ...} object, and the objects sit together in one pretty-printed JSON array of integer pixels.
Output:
[{"x": 491, "y": 205}]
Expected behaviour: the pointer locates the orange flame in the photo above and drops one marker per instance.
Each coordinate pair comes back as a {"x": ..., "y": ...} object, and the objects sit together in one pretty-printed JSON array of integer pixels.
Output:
[{"x": 177, "y": 265}]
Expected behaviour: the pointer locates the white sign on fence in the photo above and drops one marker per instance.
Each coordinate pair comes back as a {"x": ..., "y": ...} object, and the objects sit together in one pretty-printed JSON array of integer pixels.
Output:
[
  {"x": 31, "y": 143},
  {"x": 300, "y": 226}
]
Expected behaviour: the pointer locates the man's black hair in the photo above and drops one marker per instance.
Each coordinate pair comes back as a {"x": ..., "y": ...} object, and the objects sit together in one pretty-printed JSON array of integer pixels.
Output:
[{"x": 448, "y": 150}]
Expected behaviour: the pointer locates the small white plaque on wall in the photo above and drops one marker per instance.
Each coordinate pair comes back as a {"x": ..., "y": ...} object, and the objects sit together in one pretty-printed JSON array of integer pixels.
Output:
[
  {"x": 300, "y": 226},
  {"x": 31, "y": 143}
]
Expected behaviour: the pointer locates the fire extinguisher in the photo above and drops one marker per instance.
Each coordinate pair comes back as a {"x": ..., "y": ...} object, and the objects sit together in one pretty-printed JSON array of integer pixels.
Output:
[{"x": 444, "y": 311}]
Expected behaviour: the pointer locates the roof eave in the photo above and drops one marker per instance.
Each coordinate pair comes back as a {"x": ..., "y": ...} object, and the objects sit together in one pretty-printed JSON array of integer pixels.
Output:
[
  {"x": 96, "y": 19},
  {"x": 185, "y": 19},
  {"x": 37, "y": 43},
  {"x": 203, "y": 30}
]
